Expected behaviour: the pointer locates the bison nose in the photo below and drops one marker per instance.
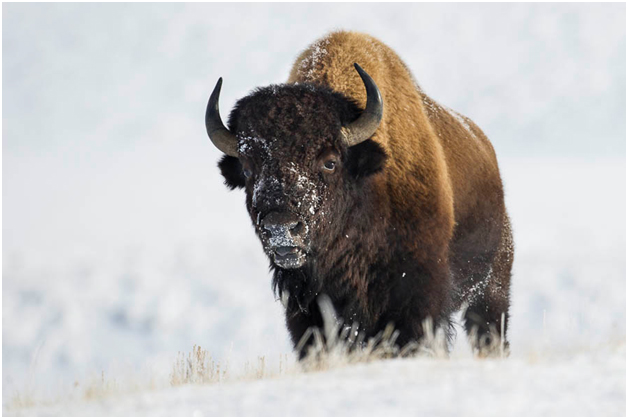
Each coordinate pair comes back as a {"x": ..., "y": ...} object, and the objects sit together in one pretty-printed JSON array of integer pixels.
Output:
[
  {"x": 284, "y": 239},
  {"x": 281, "y": 223}
]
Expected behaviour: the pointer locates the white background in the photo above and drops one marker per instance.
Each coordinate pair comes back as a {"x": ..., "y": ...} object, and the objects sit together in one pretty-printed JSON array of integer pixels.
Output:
[{"x": 121, "y": 246}]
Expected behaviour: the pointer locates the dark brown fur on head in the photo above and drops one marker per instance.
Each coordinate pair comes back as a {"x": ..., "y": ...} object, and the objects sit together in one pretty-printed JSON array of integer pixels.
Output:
[{"x": 286, "y": 133}]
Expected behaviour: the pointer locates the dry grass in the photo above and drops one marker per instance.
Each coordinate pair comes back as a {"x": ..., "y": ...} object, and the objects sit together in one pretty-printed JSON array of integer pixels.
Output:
[
  {"x": 93, "y": 388},
  {"x": 336, "y": 346},
  {"x": 97, "y": 388},
  {"x": 333, "y": 347},
  {"x": 198, "y": 367},
  {"x": 21, "y": 401}
]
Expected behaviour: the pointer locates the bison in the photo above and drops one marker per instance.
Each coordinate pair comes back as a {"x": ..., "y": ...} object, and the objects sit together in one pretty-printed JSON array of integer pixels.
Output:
[{"x": 364, "y": 189}]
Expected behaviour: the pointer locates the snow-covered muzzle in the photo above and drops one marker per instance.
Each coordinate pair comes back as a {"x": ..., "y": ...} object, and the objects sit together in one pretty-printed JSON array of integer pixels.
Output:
[
  {"x": 285, "y": 239},
  {"x": 284, "y": 203}
]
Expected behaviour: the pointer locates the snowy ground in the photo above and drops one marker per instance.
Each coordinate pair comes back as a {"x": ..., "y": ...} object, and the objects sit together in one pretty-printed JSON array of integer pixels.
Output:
[
  {"x": 574, "y": 384},
  {"x": 121, "y": 246}
]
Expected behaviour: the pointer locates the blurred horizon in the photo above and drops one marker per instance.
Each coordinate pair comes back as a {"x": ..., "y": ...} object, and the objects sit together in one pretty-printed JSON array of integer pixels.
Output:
[{"x": 538, "y": 78}]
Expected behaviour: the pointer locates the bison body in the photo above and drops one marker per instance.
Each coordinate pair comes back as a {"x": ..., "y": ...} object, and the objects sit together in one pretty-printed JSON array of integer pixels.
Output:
[{"x": 396, "y": 213}]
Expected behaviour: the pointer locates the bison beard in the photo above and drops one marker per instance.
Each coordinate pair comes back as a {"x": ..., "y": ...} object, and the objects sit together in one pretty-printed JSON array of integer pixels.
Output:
[{"x": 396, "y": 221}]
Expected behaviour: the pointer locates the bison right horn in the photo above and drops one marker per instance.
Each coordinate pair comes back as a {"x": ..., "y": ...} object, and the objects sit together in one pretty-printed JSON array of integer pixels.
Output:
[
  {"x": 365, "y": 126},
  {"x": 222, "y": 138}
]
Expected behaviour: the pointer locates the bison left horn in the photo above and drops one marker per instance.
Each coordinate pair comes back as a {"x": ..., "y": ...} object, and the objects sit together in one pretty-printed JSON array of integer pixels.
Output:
[
  {"x": 222, "y": 138},
  {"x": 365, "y": 126}
]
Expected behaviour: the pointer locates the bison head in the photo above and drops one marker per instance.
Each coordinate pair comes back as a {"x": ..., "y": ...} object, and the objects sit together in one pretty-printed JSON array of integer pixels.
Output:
[{"x": 303, "y": 154}]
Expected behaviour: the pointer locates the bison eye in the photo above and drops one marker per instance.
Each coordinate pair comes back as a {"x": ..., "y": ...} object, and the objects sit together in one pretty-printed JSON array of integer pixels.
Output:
[
  {"x": 329, "y": 166},
  {"x": 247, "y": 173}
]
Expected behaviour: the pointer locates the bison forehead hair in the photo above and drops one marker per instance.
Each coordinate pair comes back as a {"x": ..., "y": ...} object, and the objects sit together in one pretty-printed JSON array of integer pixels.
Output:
[{"x": 299, "y": 115}]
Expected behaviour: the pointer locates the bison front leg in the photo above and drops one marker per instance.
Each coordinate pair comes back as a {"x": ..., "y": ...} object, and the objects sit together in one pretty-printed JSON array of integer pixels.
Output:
[
  {"x": 421, "y": 308},
  {"x": 301, "y": 325}
]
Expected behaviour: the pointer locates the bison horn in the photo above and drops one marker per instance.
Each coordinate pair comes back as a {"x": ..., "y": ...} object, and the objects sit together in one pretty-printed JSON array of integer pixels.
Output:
[
  {"x": 222, "y": 138},
  {"x": 365, "y": 126}
]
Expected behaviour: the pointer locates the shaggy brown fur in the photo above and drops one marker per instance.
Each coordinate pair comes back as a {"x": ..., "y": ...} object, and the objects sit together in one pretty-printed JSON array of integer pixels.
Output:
[
  {"x": 410, "y": 225},
  {"x": 442, "y": 168}
]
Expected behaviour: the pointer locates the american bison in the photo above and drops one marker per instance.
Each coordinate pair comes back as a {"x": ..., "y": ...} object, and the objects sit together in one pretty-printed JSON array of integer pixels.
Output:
[{"x": 364, "y": 189}]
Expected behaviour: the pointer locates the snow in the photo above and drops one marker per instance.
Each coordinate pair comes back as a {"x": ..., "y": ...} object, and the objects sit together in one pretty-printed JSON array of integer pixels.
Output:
[
  {"x": 310, "y": 61},
  {"x": 568, "y": 385},
  {"x": 246, "y": 144},
  {"x": 122, "y": 246},
  {"x": 479, "y": 288},
  {"x": 305, "y": 186},
  {"x": 460, "y": 119}
]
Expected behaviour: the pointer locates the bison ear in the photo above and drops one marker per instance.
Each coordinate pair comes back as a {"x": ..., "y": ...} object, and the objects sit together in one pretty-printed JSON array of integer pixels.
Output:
[
  {"x": 365, "y": 159},
  {"x": 231, "y": 170}
]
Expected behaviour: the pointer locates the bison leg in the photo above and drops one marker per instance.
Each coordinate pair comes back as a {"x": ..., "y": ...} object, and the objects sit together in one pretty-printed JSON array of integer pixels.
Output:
[
  {"x": 486, "y": 321},
  {"x": 304, "y": 327},
  {"x": 486, "y": 318},
  {"x": 423, "y": 309}
]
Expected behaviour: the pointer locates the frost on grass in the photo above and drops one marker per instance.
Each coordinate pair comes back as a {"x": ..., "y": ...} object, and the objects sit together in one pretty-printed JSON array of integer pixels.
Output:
[
  {"x": 335, "y": 346},
  {"x": 338, "y": 345},
  {"x": 93, "y": 387},
  {"x": 491, "y": 345},
  {"x": 197, "y": 367}
]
